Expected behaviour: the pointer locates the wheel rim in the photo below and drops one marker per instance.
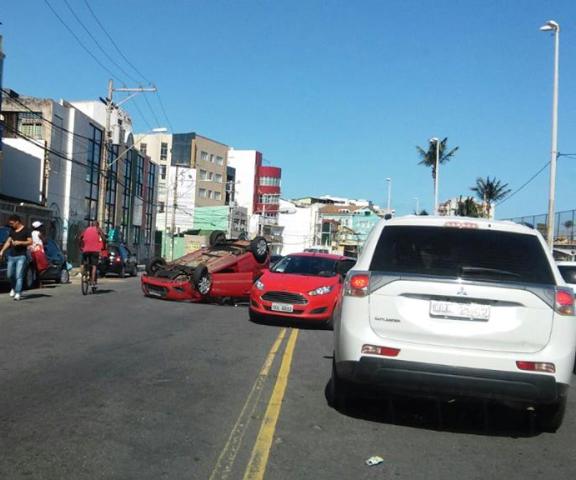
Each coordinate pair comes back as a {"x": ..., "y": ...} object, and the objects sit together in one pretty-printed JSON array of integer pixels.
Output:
[
  {"x": 261, "y": 248},
  {"x": 204, "y": 285}
]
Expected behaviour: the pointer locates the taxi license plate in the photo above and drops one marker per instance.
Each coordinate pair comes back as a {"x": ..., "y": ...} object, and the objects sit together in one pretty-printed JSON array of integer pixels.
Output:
[
  {"x": 464, "y": 311},
  {"x": 282, "y": 307}
]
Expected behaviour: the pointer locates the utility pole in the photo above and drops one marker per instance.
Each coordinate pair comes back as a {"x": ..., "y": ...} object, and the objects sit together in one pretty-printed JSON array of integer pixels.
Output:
[
  {"x": 45, "y": 176},
  {"x": 107, "y": 147},
  {"x": 174, "y": 207}
]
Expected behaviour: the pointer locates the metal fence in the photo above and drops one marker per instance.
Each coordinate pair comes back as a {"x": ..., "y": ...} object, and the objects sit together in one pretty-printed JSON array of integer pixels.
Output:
[{"x": 564, "y": 225}]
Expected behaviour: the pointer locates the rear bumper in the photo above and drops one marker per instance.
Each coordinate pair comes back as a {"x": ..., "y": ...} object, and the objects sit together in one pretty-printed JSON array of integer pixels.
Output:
[
  {"x": 168, "y": 289},
  {"x": 422, "y": 379}
]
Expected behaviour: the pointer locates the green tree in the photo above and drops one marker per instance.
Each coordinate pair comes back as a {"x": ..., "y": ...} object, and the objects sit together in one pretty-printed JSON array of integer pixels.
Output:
[
  {"x": 490, "y": 191},
  {"x": 467, "y": 208},
  {"x": 428, "y": 157}
]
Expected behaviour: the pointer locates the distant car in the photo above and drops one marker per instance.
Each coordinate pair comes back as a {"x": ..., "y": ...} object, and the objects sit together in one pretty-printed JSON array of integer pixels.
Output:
[
  {"x": 457, "y": 308},
  {"x": 568, "y": 271},
  {"x": 57, "y": 270},
  {"x": 301, "y": 286},
  {"x": 225, "y": 269},
  {"x": 117, "y": 259}
]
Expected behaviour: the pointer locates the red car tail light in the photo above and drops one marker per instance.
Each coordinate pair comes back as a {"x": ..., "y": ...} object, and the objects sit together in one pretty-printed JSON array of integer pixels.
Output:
[
  {"x": 357, "y": 285},
  {"x": 564, "y": 301},
  {"x": 536, "y": 366},
  {"x": 382, "y": 351}
]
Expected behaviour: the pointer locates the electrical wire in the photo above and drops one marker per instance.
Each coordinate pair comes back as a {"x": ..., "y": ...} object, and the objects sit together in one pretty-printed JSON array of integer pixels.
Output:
[
  {"x": 77, "y": 38},
  {"x": 519, "y": 189},
  {"x": 95, "y": 40}
]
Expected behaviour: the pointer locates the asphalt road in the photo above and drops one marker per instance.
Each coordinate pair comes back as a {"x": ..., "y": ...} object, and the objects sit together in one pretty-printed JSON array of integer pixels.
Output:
[{"x": 117, "y": 386}]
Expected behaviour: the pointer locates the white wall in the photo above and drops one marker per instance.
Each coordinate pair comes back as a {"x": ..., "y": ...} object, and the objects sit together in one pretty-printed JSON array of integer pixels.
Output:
[
  {"x": 22, "y": 169},
  {"x": 244, "y": 161},
  {"x": 299, "y": 226},
  {"x": 184, "y": 215}
]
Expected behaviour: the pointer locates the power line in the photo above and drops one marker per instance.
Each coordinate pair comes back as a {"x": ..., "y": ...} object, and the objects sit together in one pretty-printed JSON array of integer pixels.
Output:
[
  {"x": 164, "y": 110},
  {"x": 524, "y": 184},
  {"x": 113, "y": 42},
  {"x": 86, "y": 49},
  {"x": 95, "y": 40}
]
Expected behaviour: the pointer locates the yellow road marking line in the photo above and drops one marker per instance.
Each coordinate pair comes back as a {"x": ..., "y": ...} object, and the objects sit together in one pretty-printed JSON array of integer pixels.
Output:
[
  {"x": 227, "y": 457},
  {"x": 261, "y": 452}
]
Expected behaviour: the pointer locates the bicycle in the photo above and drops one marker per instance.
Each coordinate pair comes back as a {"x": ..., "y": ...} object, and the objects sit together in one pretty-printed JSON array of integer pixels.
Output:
[{"x": 86, "y": 281}]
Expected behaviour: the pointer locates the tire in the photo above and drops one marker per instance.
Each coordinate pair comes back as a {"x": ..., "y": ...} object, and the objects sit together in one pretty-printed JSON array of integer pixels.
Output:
[
  {"x": 64, "y": 276},
  {"x": 85, "y": 284},
  {"x": 550, "y": 416},
  {"x": 122, "y": 273},
  {"x": 259, "y": 248},
  {"x": 216, "y": 238},
  {"x": 339, "y": 391},
  {"x": 134, "y": 272},
  {"x": 154, "y": 265},
  {"x": 201, "y": 280}
]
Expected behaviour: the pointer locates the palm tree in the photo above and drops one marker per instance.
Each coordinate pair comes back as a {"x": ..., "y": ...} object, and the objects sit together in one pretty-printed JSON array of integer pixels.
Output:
[
  {"x": 467, "y": 208},
  {"x": 490, "y": 191},
  {"x": 428, "y": 157}
]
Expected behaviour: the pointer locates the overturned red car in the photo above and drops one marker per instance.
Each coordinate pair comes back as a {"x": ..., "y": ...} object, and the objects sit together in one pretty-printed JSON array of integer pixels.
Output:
[{"x": 224, "y": 270}]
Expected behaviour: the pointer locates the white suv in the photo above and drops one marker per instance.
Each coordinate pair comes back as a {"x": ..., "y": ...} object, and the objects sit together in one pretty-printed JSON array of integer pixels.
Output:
[{"x": 457, "y": 307}]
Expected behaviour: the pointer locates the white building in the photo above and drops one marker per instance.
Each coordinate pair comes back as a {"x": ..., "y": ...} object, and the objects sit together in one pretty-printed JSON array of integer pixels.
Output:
[
  {"x": 246, "y": 164},
  {"x": 300, "y": 226}
]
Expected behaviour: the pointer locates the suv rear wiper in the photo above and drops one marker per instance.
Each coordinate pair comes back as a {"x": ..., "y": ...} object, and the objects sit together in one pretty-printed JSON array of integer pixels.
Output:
[{"x": 483, "y": 270}]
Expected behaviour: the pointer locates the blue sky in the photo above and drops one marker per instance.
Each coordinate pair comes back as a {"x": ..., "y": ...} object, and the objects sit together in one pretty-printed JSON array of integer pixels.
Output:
[{"x": 337, "y": 93}]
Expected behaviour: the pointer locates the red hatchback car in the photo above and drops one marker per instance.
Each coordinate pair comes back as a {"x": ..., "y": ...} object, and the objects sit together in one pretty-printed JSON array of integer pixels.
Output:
[
  {"x": 301, "y": 286},
  {"x": 226, "y": 269}
]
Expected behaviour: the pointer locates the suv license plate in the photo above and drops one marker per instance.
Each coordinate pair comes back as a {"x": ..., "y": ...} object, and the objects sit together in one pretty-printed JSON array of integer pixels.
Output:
[
  {"x": 282, "y": 307},
  {"x": 469, "y": 311}
]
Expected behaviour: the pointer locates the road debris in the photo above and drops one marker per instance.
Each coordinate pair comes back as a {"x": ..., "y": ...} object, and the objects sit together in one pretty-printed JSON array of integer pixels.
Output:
[{"x": 375, "y": 460}]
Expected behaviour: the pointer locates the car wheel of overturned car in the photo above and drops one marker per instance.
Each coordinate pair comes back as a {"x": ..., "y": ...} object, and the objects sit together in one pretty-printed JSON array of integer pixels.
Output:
[
  {"x": 201, "y": 279},
  {"x": 216, "y": 238},
  {"x": 154, "y": 265},
  {"x": 259, "y": 248}
]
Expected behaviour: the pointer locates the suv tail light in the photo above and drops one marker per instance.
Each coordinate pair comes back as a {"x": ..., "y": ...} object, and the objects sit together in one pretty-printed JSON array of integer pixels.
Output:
[
  {"x": 564, "y": 301},
  {"x": 357, "y": 284},
  {"x": 536, "y": 366}
]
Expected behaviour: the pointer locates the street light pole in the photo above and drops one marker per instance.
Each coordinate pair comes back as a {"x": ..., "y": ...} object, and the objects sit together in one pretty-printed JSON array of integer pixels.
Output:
[
  {"x": 552, "y": 26},
  {"x": 389, "y": 202},
  {"x": 436, "y": 141}
]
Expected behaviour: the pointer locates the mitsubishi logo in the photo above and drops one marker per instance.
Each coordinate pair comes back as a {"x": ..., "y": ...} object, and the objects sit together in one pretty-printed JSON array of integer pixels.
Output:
[{"x": 462, "y": 292}]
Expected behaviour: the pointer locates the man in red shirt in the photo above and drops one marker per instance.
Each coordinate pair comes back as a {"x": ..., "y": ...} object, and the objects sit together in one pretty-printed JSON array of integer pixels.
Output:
[{"x": 91, "y": 244}]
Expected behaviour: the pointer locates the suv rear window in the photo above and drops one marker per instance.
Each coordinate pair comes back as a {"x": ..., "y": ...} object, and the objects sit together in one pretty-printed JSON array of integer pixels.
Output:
[{"x": 485, "y": 255}]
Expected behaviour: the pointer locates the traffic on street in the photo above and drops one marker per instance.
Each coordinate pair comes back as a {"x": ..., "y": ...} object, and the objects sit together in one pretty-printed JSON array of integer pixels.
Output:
[{"x": 117, "y": 385}]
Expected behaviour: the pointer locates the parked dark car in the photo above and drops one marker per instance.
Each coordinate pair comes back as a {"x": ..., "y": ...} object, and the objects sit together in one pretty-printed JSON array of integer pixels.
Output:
[
  {"x": 57, "y": 271},
  {"x": 119, "y": 260}
]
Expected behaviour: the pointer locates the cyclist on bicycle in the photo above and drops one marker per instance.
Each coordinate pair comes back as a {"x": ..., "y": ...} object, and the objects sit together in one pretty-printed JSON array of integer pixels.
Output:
[{"x": 91, "y": 244}]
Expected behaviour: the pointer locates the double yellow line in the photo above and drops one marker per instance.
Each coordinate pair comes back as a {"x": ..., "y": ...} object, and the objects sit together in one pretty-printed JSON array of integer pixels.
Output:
[{"x": 261, "y": 451}]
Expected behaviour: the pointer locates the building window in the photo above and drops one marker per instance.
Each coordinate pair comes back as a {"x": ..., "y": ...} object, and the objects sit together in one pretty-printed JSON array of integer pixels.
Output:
[
  {"x": 149, "y": 215},
  {"x": 127, "y": 194},
  {"x": 143, "y": 148},
  {"x": 218, "y": 177},
  {"x": 203, "y": 174},
  {"x": 217, "y": 196},
  {"x": 163, "y": 172},
  {"x": 93, "y": 173},
  {"x": 270, "y": 181},
  {"x": 136, "y": 231},
  {"x": 161, "y": 206},
  {"x": 111, "y": 187},
  {"x": 202, "y": 193},
  {"x": 211, "y": 158},
  {"x": 210, "y": 176},
  {"x": 220, "y": 160},
  {"x": 203, "y": 155},
  {"x": 30, "y": 124},
  {"x": 268, "y": 199},
  {"x": 139, "y": 175},
  {"x": 163, "y": 151}
]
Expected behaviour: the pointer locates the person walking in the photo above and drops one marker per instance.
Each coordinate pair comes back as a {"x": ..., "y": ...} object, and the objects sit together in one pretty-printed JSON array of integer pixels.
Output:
[
  {"x": 91, "y": 244},
  {"x": 18, "y": 242}
]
